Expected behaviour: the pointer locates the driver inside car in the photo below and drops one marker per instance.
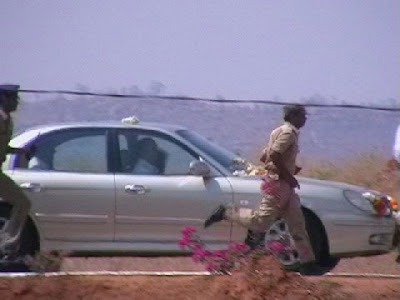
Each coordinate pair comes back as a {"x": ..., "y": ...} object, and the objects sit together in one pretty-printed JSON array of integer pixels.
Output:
[{"x": 148, "y": 156}]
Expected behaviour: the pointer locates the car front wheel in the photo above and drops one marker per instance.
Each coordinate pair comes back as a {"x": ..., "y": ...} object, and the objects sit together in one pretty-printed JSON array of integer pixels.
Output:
[{"x": 287, "y": 253}]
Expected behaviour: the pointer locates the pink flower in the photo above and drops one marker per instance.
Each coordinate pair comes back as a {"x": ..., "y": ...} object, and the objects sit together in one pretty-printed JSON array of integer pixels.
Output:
[
  {"x": 195, "y": 246},
  {"x": 201, "y": 254},
  {"x": 269, "y": 187},
  {"x": 182, "y": 244},
  {"x": 212, "y": 267},
  {"x": 197, "y": 258},
  {"x": 276, "y": 247},
  {"x": 188, "y": 230},
  {"x": 238, "y": 247},
  {"x": 215, "y": 261},
  {"x": 221, "y": 254}
]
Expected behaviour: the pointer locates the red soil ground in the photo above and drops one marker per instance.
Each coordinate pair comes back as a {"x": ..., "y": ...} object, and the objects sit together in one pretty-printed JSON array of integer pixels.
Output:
[{"x": 260, "y": 278}]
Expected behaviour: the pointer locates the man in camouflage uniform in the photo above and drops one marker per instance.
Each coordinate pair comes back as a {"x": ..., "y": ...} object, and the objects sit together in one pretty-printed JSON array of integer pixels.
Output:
[
  {"x": 9, "y": 190},
  {"x": 278, "y": 196}
]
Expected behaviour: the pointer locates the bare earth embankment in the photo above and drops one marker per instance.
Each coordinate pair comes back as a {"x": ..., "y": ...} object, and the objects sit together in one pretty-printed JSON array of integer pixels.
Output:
[{"x": 262, "y": 279}]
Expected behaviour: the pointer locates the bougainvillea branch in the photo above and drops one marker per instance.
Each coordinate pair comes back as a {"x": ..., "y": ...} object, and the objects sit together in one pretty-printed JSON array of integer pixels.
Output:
[
  {"x": 218, "y": 261},
  {"x": 222, "y": 261}
]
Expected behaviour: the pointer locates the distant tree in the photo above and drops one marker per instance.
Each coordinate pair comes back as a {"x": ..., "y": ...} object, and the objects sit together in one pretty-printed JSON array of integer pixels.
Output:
[
  {"x": 82, "y": 88},
  {"x": 132, "y": 90},
  {"x": 391, "y": 102},
  {"x": 156, "y": 88}
]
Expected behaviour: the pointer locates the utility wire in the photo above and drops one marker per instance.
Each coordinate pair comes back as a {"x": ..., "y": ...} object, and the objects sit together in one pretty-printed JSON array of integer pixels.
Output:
[{"x": 185, "y": 98}]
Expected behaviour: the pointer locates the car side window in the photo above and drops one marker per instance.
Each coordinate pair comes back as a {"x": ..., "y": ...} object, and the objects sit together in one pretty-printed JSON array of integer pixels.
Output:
[
  {"x": 83, "y": 150},
  {"x": 153, "y": 154}
]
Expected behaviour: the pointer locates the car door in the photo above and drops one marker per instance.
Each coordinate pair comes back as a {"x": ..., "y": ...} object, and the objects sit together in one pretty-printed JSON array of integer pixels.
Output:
[
  {"x": 67, "y": 180},
  {"x": 154, "y": 206}
]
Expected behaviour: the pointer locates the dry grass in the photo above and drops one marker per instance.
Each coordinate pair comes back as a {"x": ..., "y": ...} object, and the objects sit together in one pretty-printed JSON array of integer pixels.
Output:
[{"x": 370, "y": 170}]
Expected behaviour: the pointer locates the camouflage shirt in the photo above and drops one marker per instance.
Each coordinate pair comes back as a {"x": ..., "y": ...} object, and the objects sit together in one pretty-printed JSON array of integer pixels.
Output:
[{"x": 6, "y": 129}]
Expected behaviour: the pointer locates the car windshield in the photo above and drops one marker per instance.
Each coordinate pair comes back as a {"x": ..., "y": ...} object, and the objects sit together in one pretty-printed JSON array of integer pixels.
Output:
[{"x": 224, "y": 157}]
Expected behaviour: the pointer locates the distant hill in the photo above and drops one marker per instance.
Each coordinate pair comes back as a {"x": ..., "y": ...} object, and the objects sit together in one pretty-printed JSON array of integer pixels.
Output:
[{"x": 329, "y": 134}]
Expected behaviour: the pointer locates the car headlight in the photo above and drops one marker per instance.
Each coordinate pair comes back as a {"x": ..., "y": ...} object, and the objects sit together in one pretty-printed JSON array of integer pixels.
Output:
[
  {"x": 369, "y": 202},
  {"x": 358, "y": 200}
]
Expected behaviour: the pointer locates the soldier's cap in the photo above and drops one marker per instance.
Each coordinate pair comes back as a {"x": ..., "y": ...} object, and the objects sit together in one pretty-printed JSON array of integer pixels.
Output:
[{"x": 9, "y": 89}]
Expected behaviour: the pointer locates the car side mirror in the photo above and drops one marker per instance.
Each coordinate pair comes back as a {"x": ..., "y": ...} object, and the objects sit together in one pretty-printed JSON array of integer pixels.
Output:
[{"x": 199, "y": 168}]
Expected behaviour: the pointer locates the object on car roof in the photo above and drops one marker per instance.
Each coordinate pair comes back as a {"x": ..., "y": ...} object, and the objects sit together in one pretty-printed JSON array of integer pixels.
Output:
[{"x": 132, "y": 120}]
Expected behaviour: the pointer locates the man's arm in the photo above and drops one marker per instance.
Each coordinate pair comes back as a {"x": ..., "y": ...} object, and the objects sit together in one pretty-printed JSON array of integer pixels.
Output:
[
  {"x": 297, "y": 170},
  {"x": 284, "y": 173}
]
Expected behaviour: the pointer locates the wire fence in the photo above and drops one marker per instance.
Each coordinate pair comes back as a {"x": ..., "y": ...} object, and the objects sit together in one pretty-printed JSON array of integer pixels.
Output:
[
  {"x": 197, "y": 99},
  {"x": 333, "y": 131}
]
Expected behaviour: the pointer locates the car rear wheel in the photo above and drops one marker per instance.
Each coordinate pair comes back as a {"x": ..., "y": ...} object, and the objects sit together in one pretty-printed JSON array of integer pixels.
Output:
[{"x": 29, "y": 240}]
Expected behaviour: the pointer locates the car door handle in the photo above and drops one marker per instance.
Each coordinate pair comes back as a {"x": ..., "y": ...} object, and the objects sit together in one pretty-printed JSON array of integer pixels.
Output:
[
  {"x": 31, "y": 187},
  {"x": 135, "y": 189}
]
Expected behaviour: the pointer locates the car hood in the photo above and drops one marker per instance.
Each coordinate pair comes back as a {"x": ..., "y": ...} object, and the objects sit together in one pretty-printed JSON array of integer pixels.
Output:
[
  {"x": 329, "y": 183},
  {"x": 316, "y": 195},
  {"x": 305, "y": 181}
]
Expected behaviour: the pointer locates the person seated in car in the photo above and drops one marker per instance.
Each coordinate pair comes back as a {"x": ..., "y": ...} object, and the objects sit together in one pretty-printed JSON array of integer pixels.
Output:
[
  {"x": 147, "y": 161},
  {"x": 42, "y": 159}
]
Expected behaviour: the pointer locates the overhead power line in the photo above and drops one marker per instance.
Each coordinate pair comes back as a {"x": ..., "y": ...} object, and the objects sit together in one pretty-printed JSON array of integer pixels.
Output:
[{"x": 185, "y": 98}]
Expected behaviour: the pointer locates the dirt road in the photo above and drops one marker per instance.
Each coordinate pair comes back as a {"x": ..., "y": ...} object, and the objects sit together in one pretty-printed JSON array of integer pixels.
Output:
[
  {"x": 378, "y": 264},
  {"x": 265, "y": 280}
]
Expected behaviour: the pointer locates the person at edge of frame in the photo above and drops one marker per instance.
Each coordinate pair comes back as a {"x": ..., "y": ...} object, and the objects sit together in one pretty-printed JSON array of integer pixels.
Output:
[{"x": 10, "y": 192}]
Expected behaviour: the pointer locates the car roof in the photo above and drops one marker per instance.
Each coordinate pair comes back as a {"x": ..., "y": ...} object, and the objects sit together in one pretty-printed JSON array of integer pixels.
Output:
[
  {"x": 109, "y": 124},
  {"x": 22, "y": 137}
]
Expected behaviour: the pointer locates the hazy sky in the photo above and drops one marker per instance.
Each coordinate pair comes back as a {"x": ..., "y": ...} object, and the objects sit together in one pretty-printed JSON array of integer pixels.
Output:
[{"x": 343, "y": 50}]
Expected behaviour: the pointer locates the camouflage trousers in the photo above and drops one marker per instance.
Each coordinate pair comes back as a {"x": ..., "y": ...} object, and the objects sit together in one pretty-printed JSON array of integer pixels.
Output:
[
  {"x": 11, "y": 193},
  {"x": 279, "y": 200}
]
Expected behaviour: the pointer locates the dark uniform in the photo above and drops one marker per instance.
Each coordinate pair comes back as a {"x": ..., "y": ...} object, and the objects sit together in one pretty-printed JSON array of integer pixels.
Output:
[{"x": 10, "y": 192}]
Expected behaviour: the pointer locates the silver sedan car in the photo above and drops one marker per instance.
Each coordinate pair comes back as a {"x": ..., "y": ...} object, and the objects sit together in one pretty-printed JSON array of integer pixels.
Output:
[{"x": 133, "y": 186}]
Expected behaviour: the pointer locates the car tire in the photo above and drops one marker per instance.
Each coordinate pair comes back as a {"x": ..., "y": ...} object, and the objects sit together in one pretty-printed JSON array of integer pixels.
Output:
[
  {"x": 256, "y": 240},
  {"x": 4, "y": 214},
  {"x": 29, "y": 240},
  {"x": 319, "y": 241},
  {"x": 279, "y": 231}
]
